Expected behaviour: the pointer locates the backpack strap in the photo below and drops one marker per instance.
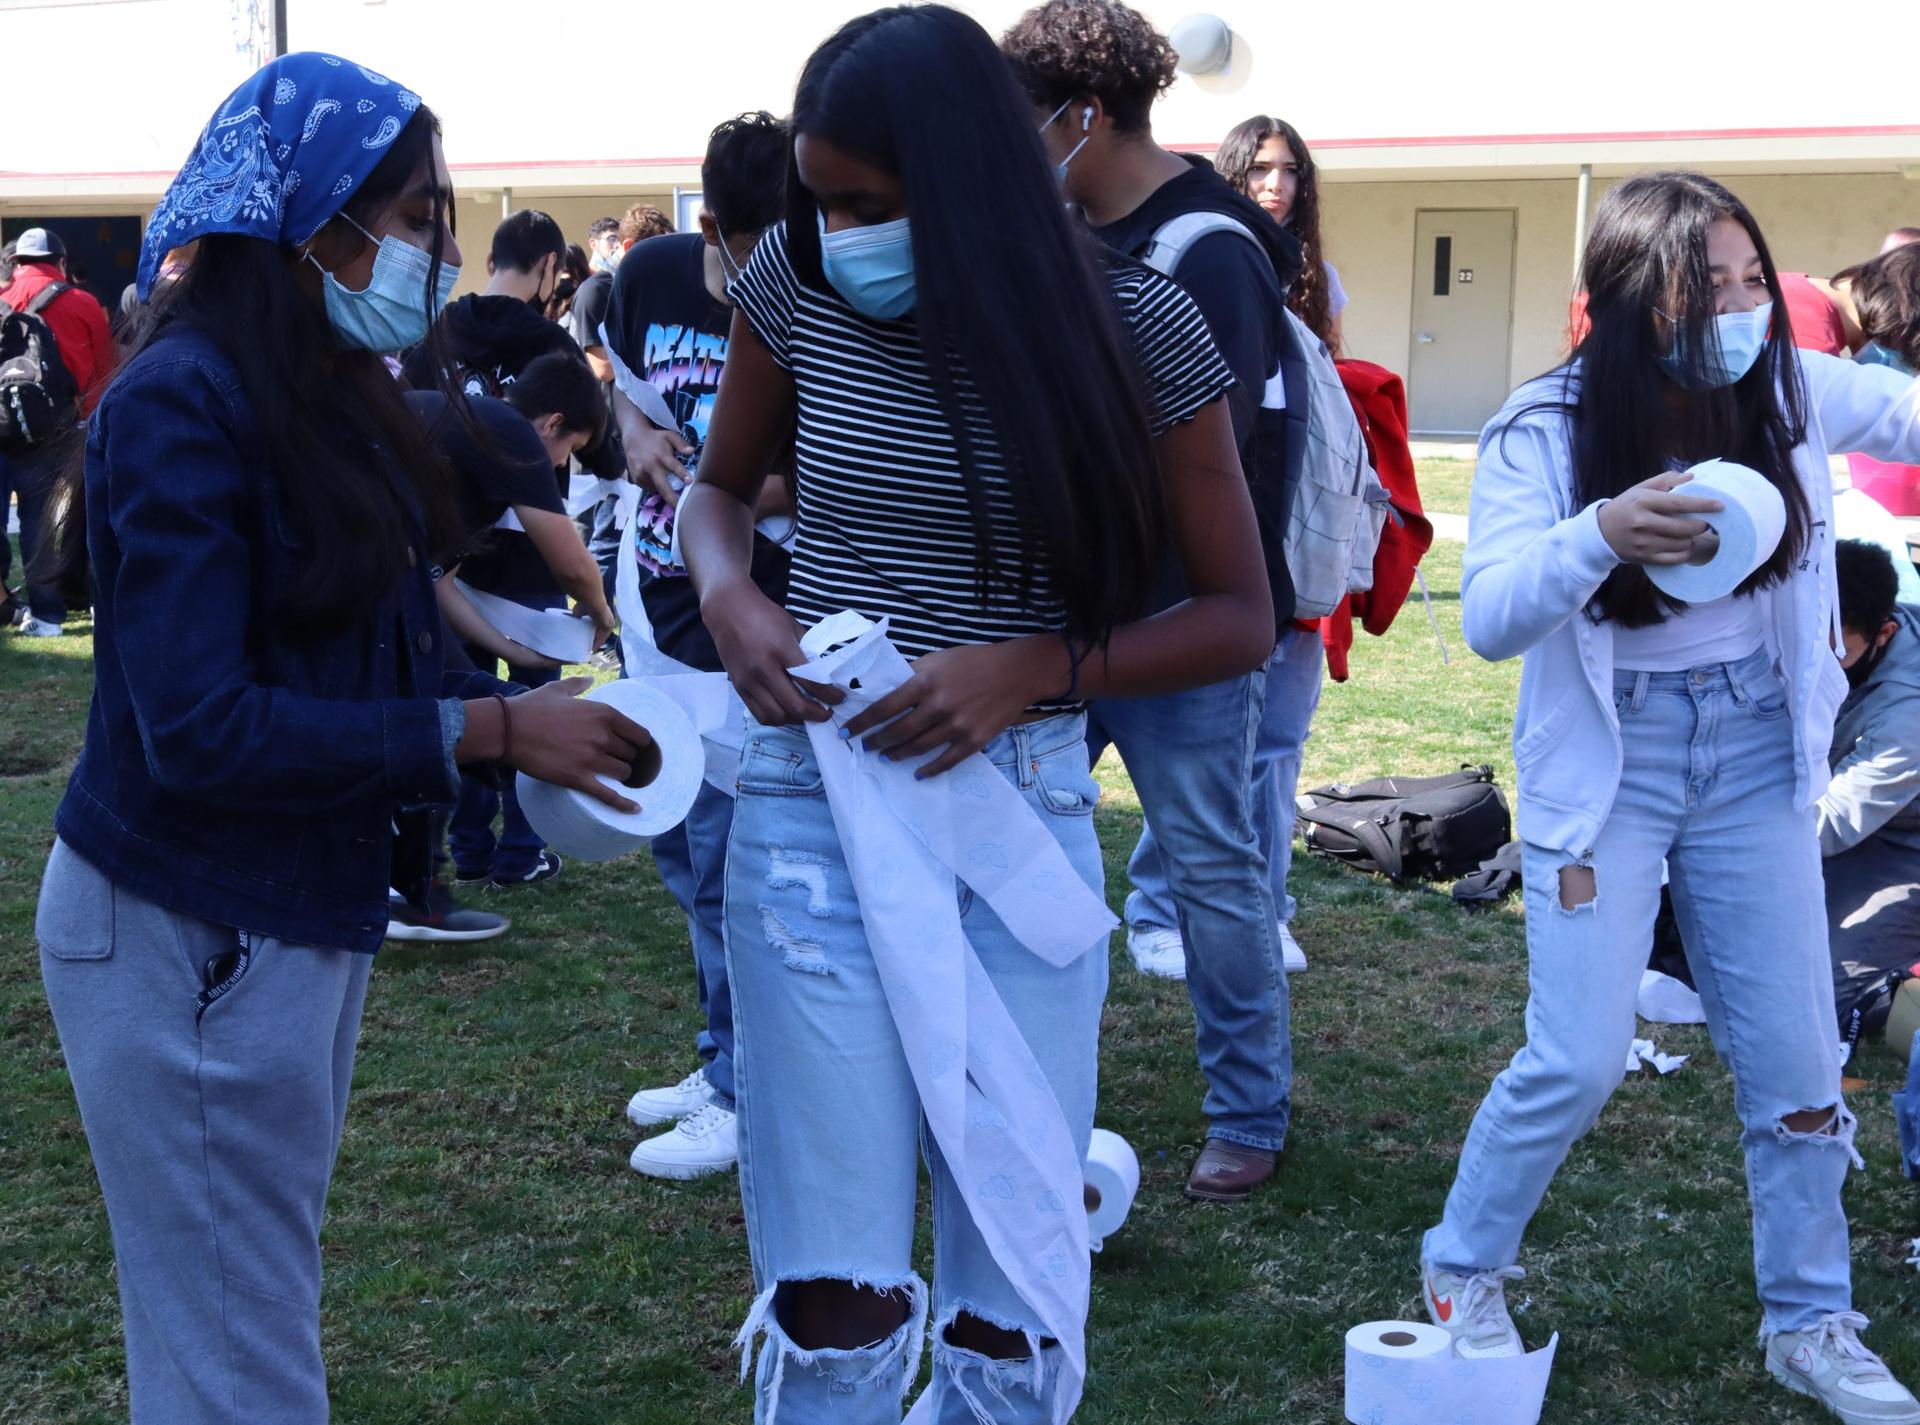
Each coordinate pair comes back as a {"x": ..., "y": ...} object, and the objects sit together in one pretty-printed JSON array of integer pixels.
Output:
[
  {"x": 1169, "y": 245},
  {"x": 45, "y": 296}
]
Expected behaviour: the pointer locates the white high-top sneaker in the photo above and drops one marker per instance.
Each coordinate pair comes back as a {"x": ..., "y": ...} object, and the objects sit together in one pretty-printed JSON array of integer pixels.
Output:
[{"x": 1830, "y": 1364}]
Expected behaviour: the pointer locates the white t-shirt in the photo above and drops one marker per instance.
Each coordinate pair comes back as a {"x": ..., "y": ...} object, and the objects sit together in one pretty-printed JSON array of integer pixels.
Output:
[
  {"x": 1722, "y": 630},
  {"x": 1336, "y": 294}
]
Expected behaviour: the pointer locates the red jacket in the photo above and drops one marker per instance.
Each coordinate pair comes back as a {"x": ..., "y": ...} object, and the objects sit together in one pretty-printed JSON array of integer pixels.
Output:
[
  {"x": 78, "y": 324},
  {"x": 1380, "y": 401}
]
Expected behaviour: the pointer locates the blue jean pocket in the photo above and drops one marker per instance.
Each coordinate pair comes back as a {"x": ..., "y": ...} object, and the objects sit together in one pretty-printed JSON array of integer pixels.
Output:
[
  {"x": 776, "y": 764},
  {"x": 1065, "y": 786}
]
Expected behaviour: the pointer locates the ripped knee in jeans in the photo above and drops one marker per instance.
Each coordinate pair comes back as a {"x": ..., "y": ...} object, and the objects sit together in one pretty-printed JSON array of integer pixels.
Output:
[
  {"x": 976, "y": 1353},
  {"x": 1833, "y": 1126},
  {"x": 804, "y": 1320},
  {"x": 1579, "y": 888}
]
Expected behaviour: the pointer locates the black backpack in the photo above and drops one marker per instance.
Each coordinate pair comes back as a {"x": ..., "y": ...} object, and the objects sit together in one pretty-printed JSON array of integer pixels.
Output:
[
  {"x": 36, "y": 392},
  {"x": 1408, "y": 828}
]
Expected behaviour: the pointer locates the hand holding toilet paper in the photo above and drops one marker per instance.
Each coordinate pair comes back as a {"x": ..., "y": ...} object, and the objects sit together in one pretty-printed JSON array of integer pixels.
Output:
[
  {"x": 1749, "y": 527},
  {"x": 1405, "y": 1373}
]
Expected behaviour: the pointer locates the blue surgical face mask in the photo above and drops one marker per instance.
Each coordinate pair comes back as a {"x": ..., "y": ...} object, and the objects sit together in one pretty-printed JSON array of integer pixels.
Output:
[
  {"x": 1874, "y": 354},
  {"x": 872, "y": 267},
  {"x": 390, "y": 314},
  {"x": 1086, "y": 133},
  {"x": 1739, "y": 338}
]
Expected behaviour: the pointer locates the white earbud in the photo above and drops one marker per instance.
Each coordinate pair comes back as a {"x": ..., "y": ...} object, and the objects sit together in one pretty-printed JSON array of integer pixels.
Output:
[{"x": 1086, "y": 119}]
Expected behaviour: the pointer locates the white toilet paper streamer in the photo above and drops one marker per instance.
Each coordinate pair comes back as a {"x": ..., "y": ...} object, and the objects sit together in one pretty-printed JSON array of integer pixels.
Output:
[
  {"x": 574, "y": 824},
  {"x": 1405, "y": 1373},
  {"x": 553, "y": 633},
  {"x": 1749, "y": 528},
  {"x": 1664, "y": 1000},
  {"x": 1113, "y": 1170}
]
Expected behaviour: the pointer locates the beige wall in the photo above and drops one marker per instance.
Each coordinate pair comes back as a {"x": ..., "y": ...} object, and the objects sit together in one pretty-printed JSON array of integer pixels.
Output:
[
  {"x": 479, "y": 213},
  {"x": 1814, "y": 223}
]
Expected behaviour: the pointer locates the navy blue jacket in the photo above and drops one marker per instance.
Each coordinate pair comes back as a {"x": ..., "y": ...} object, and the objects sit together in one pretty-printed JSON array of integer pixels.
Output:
[{"x": 229, "y": 772}]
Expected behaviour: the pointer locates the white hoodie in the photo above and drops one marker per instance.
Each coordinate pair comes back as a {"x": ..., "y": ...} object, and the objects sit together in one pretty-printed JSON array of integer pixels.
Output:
[{"x": 1533, "y": 562}]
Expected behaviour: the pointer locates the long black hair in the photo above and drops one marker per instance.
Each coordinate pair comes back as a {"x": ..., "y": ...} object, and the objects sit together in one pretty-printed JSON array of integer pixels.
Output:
[
  {"x": 1311, "y": 298},
  {"x": 1011, "y": 304},
  {"x": 1647, "y": 285},
  {"x": 348, "y": 459}
]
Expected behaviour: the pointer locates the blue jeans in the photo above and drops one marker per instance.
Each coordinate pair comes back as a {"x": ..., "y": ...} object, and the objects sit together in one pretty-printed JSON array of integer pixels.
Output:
[
  {"x": 470, "y": 836},
  {"x": 1293, "y": 695},
  {"x": 213, "y": 1129},
  {"x": 1191, "y": 757},
  {"x": 1708, "y": 785},
  {"x": 692, "y": 861},
  {"x": 830, "y": 1128}
]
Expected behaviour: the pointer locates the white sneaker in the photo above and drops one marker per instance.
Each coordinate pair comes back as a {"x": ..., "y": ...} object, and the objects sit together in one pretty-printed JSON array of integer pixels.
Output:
[
  {"x": 1292, "y": 955},
  {"x": 1472, "y": 1308},
  {"x": 1829, "y": 1364},
  {"x": 651, "y": 1107},
  {"x": 707, "y": 1142},
  {"x": 39, "y": 628},
  {"x": 1157, "y": 951}
]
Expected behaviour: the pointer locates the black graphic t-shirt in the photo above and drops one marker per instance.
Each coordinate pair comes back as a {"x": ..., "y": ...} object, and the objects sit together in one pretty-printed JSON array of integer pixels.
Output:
[{"x": 668, "y": 329}]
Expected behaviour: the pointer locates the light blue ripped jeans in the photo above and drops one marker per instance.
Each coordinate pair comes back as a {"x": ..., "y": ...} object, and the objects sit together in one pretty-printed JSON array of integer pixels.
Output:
[
  {"x": 830, "y": 1127},
  {"x": 1708, "y": 784}
]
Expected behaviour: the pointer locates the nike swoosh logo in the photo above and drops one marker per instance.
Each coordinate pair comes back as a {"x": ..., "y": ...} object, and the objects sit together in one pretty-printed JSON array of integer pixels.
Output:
[
  {"x": 1802, "y": 1361},
  {"x": 1443, "y": 1307}
]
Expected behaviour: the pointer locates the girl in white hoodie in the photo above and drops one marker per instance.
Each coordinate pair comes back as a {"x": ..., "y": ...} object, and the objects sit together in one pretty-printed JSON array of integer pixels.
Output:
[{"x": 1650, "y": 730}]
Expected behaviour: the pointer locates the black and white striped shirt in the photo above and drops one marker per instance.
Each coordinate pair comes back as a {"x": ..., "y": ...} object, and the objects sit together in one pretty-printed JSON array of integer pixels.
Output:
[{"x": 884, "y": 522}]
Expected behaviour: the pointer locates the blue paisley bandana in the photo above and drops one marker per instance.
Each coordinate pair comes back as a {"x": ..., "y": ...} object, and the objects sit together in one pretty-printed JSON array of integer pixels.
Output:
[{"x": 280, "y": 156}]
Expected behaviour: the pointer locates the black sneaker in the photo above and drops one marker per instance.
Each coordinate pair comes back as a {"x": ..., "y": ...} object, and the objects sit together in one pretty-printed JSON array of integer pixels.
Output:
[
  {"x": 544, "y": 869},
  {"x": 444, "y": 919}
]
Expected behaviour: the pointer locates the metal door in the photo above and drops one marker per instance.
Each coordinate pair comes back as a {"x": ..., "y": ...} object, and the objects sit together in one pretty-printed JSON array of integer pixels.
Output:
[{"x": 1457, "y": 372}]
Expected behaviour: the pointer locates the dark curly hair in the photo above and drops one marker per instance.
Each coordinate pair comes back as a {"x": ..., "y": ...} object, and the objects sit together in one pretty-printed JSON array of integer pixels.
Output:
[
  {"x": 1311, "y": 299},
  {"x": 1074, "y": 49}
]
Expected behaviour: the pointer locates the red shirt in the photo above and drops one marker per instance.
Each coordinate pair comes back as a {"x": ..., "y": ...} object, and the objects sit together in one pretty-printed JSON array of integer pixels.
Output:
[
  {"x": 1816, "y": 321},
  {"x": 78, "y": 324}
]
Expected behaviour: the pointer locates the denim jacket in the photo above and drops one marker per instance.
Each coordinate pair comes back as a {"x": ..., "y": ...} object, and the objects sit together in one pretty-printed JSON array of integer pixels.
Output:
[
  {"x": 1534, "y": 560},
  {"x": 230, "y": 773}
]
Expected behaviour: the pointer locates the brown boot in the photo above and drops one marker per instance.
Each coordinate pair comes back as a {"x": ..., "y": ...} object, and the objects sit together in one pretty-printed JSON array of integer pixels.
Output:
[{"x": 1229, "y": 1172}]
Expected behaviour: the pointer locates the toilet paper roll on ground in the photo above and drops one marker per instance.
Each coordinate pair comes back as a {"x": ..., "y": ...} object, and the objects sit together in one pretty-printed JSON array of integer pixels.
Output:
[
  {"x": 1749, "y": 528},
  {"x": 574, "y": 824},
  {"x": 1113, "y": 1170},
  {"x": 1405, "y": 1373}
]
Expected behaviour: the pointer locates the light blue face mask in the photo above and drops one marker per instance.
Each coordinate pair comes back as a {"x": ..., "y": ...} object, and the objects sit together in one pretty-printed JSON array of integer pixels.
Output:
[
  {"x": 1086, "y": 135},
  {"x": 872, "y": 267},
  {"x": 1874, "y": 354},
  {"x": 389, "y": 315},
  {"x": 1739, "y": 338}
]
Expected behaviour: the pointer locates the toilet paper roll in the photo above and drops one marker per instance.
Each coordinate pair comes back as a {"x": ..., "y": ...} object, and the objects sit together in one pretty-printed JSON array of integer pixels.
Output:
[
  {"x": 1749, "y": 528},
  {"x": 1405, "y": 1373},
  {"x": 1113, "y": 1170},
  {"x": 553, "y": 633},
  {"x": 574, "y": 824}
]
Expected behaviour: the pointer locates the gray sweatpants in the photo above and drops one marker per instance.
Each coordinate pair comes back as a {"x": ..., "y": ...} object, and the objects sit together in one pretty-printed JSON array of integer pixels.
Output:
[{"x": 214, "y": 1112}]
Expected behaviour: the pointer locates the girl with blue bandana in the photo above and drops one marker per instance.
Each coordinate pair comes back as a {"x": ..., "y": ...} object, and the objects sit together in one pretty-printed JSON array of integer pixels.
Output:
[{"x": 260, "y": 513}]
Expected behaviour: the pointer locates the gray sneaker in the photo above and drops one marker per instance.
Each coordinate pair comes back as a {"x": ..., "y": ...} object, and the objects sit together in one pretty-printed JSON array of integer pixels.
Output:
[
  {"x": 1829, "y": 1364},
  {"x": 1471, "y": 1307}
]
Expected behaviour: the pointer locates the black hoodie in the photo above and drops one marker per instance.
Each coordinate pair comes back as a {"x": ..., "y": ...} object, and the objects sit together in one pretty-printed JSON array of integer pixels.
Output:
[
  {"x": 1243, "y": 297},
  {"x": 494, "y": 339},
  {"x": 1240, "y": 296}
]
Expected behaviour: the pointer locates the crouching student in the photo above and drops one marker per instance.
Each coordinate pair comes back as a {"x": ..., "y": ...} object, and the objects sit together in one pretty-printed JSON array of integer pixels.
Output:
[
  {"x": 1868, "y": 817},
  {"x": 1649, "y": 729},
  {"x": 989, "y": 420},
  {"x": 260, "y": 513}
]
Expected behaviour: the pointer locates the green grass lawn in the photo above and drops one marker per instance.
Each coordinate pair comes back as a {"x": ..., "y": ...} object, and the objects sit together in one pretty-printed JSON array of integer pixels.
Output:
[
  {"x": 1444, "y": 482},
  {"x": 490, "y": 1258}
]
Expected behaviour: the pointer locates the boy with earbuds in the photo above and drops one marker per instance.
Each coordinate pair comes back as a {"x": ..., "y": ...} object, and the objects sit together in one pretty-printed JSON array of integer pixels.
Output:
[{"x": 1092, "y": 70}]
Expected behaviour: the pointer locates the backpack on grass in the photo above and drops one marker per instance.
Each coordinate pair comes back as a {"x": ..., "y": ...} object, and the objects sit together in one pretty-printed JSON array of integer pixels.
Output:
[
  {"x": 36, "y": 392},
  {"x": 1408, "y": 828}
]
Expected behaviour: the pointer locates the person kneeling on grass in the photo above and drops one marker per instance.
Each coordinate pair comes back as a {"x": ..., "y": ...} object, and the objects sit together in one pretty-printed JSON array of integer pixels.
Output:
[
  {"x": 1649, "y": 728},
  {"x": 1869, "y": 817}
]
